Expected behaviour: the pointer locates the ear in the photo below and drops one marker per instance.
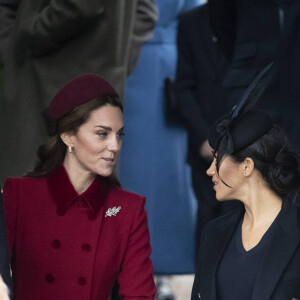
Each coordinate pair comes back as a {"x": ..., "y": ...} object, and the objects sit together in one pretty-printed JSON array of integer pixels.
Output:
[
  {"x": 68, "y": 138},
  {"x": 247, "y": 166}
]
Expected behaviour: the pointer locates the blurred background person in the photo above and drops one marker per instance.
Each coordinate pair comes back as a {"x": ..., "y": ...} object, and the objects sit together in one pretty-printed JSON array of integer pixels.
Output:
[
  {"x": 7, "y": 20},
  {"x": 72, "y": 231},
  {"x": 157, "y": 167},
  {"x": 52, "y": 43},
  {"x": 264, "y": 31},
  {"x": 200, "y": 100},
  {"x": 5, "y": 279}
]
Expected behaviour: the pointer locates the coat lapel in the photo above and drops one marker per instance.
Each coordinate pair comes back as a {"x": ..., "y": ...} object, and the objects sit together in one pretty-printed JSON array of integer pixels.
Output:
[
  {"x": 216, "y": 242},
  {"x": 282, "y": 246}
]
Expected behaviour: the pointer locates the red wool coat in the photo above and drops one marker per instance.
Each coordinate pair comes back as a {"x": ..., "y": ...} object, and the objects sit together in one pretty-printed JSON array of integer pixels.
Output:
[{"x": 69, "y": 246}]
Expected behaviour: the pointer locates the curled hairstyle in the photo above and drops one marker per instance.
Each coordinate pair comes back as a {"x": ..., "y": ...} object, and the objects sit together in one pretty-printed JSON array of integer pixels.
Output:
[
  {"x": 51, "y": 154},
  {"x": 279, "y": 166}
]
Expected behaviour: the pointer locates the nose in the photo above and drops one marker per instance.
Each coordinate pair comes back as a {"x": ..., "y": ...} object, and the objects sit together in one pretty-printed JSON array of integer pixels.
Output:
[
  {"x": 114, "y": 144},
  {"x": 211, "y": 171}
]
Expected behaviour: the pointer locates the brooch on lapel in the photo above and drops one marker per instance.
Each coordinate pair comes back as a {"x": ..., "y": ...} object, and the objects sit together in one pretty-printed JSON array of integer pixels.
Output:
[{"x": 112, "y": 211}]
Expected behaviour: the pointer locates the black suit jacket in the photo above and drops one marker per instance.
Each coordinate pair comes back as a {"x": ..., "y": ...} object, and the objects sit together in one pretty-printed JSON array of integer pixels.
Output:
[
  {"x": 201, "y": 65},
  {"x": 4, "y": 256},
  {"x": 266, "y": 31},
  {"x": 279, "y": 275}
]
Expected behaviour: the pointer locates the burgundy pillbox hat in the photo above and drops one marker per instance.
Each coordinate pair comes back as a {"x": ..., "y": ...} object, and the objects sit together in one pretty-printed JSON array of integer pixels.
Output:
[{"x": 75, "y": 93}]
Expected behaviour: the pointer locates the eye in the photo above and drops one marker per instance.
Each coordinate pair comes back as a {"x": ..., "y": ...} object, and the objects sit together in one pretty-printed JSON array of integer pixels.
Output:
[
  {"x": 120, "y": 135},
  {"x": 216, "y": 162},
  {"x": 215, "y": 159},
  {"x": 102, "y": 134}
]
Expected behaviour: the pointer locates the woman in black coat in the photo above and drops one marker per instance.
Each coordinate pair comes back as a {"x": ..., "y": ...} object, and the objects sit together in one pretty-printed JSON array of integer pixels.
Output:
[{"x": 252, "y": 253}]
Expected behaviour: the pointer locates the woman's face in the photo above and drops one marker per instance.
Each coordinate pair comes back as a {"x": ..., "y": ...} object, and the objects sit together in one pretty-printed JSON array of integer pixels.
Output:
[
  {"x": 229, "y": 173},
  {"x": 97, "y": 143}
]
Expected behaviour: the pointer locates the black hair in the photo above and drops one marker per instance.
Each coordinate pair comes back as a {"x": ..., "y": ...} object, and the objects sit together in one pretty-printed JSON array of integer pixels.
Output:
[{"x": 273, "y": 158}]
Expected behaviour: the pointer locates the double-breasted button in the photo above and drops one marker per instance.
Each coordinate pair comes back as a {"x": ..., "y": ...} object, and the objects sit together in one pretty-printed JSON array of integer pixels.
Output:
[
  {"x": 81, "y": 281},
  {"x": 56, "y": 244},
  {"x": 86, "y": 247},
  {"x": 49, "y": 278}
]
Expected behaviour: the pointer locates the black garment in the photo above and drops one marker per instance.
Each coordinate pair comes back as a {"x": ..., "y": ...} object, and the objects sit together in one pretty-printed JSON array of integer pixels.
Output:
[
  {"x": 266, "y": 31},
  {"x": 278, "y": 277},
  {"x": 238, "y": 268},
  {"x": 200, "y": 69},
  {"x": 200, "y": 101},
  {"x": 4, "y": 257}
]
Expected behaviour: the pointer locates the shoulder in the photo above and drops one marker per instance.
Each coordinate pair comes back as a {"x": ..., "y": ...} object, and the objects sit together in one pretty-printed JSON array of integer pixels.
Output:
[
  {"x": 15, "y": 186},
  {"x": 119, "y": 192},
  {"x": 131, "y": 206},
  {"x": 16, "y": 182},
  {"x": 129, "y": 198}
]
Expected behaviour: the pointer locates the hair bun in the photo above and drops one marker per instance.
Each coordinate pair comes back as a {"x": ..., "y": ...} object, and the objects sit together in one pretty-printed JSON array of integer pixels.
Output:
[{"x": 285, "y": 172}]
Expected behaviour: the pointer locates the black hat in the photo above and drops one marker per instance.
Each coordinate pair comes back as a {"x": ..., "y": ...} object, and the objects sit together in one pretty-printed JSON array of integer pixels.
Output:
[{"x": 243, "y": 125}]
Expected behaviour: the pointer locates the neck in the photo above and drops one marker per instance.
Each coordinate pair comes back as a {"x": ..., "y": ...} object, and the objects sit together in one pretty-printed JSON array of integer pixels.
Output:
[
  {"x": 80, "y": 178},
  {"x": 261, "y": 207}
]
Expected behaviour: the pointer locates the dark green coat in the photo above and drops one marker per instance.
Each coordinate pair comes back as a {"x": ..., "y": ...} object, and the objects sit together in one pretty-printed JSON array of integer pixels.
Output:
[{"x": 54, "y": 41}]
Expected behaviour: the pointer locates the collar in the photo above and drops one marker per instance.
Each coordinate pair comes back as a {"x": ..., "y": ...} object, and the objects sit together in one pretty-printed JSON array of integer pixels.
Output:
[{"x": 64, "y": 194}]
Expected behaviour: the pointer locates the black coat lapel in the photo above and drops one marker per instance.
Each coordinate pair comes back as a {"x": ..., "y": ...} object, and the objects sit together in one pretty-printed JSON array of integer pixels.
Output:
[
  {"x": 215, "y": 243},
  {"x": 282, "y": 246}
]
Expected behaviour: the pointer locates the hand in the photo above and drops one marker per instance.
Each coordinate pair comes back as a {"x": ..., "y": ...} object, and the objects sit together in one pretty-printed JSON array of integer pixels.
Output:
[
  {"x": 205, "y": 151},
  {"x": 3, "y": 290}
]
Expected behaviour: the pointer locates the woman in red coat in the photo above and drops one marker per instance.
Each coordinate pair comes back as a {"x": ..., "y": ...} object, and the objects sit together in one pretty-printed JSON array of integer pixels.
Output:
[{"x": 72, "y": 230}]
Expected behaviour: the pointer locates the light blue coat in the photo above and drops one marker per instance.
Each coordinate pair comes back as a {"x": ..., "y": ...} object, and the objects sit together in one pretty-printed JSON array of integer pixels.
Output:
[{"x": 154, "y": 151}]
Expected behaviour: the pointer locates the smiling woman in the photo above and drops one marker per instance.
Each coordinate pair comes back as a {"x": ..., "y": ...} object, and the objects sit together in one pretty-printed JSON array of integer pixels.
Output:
[
  {"x": 72, "y": 230},
  {"x": 95, "y": 146}
]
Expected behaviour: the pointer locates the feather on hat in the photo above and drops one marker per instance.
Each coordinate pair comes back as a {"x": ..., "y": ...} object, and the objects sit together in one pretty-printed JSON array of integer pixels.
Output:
[{"x": 244, "y": 125}]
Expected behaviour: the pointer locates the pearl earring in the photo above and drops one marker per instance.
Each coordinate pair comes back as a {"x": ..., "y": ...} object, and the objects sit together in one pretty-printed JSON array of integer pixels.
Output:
[{"x": 70, "y": 148}]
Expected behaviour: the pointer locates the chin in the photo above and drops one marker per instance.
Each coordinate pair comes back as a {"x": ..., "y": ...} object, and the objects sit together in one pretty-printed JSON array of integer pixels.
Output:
[
  {"x": 105, "y": 173},
  {"x": 221, "y": 199}
]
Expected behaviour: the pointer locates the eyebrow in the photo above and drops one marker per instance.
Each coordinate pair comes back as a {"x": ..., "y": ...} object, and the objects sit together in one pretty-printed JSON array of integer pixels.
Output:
[{"x": 108, "y": 128}]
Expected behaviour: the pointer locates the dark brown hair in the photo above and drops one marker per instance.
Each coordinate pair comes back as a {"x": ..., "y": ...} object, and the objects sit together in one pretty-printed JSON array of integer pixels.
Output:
[
  {"x": 51, "y": 154},
  {"x": 278, "y": 164}
]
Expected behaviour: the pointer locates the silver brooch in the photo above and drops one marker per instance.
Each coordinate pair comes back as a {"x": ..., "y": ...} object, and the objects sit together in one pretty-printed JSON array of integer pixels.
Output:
[{"x": 112, "y": 211}]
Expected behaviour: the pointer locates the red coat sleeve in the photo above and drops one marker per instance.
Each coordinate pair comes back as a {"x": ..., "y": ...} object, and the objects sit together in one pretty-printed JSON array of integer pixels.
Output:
[{"x": 136, "y": 275}]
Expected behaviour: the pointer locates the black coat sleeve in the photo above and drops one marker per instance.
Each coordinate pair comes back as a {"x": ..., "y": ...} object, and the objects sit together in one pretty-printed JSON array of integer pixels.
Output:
[
  {"x": 188, "y": 105},
  {"x": 4, "y": 257}
]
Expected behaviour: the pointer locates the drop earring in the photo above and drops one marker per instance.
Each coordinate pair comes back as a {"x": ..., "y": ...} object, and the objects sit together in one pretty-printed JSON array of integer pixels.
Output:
[{"x": 70, "y": 148}]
